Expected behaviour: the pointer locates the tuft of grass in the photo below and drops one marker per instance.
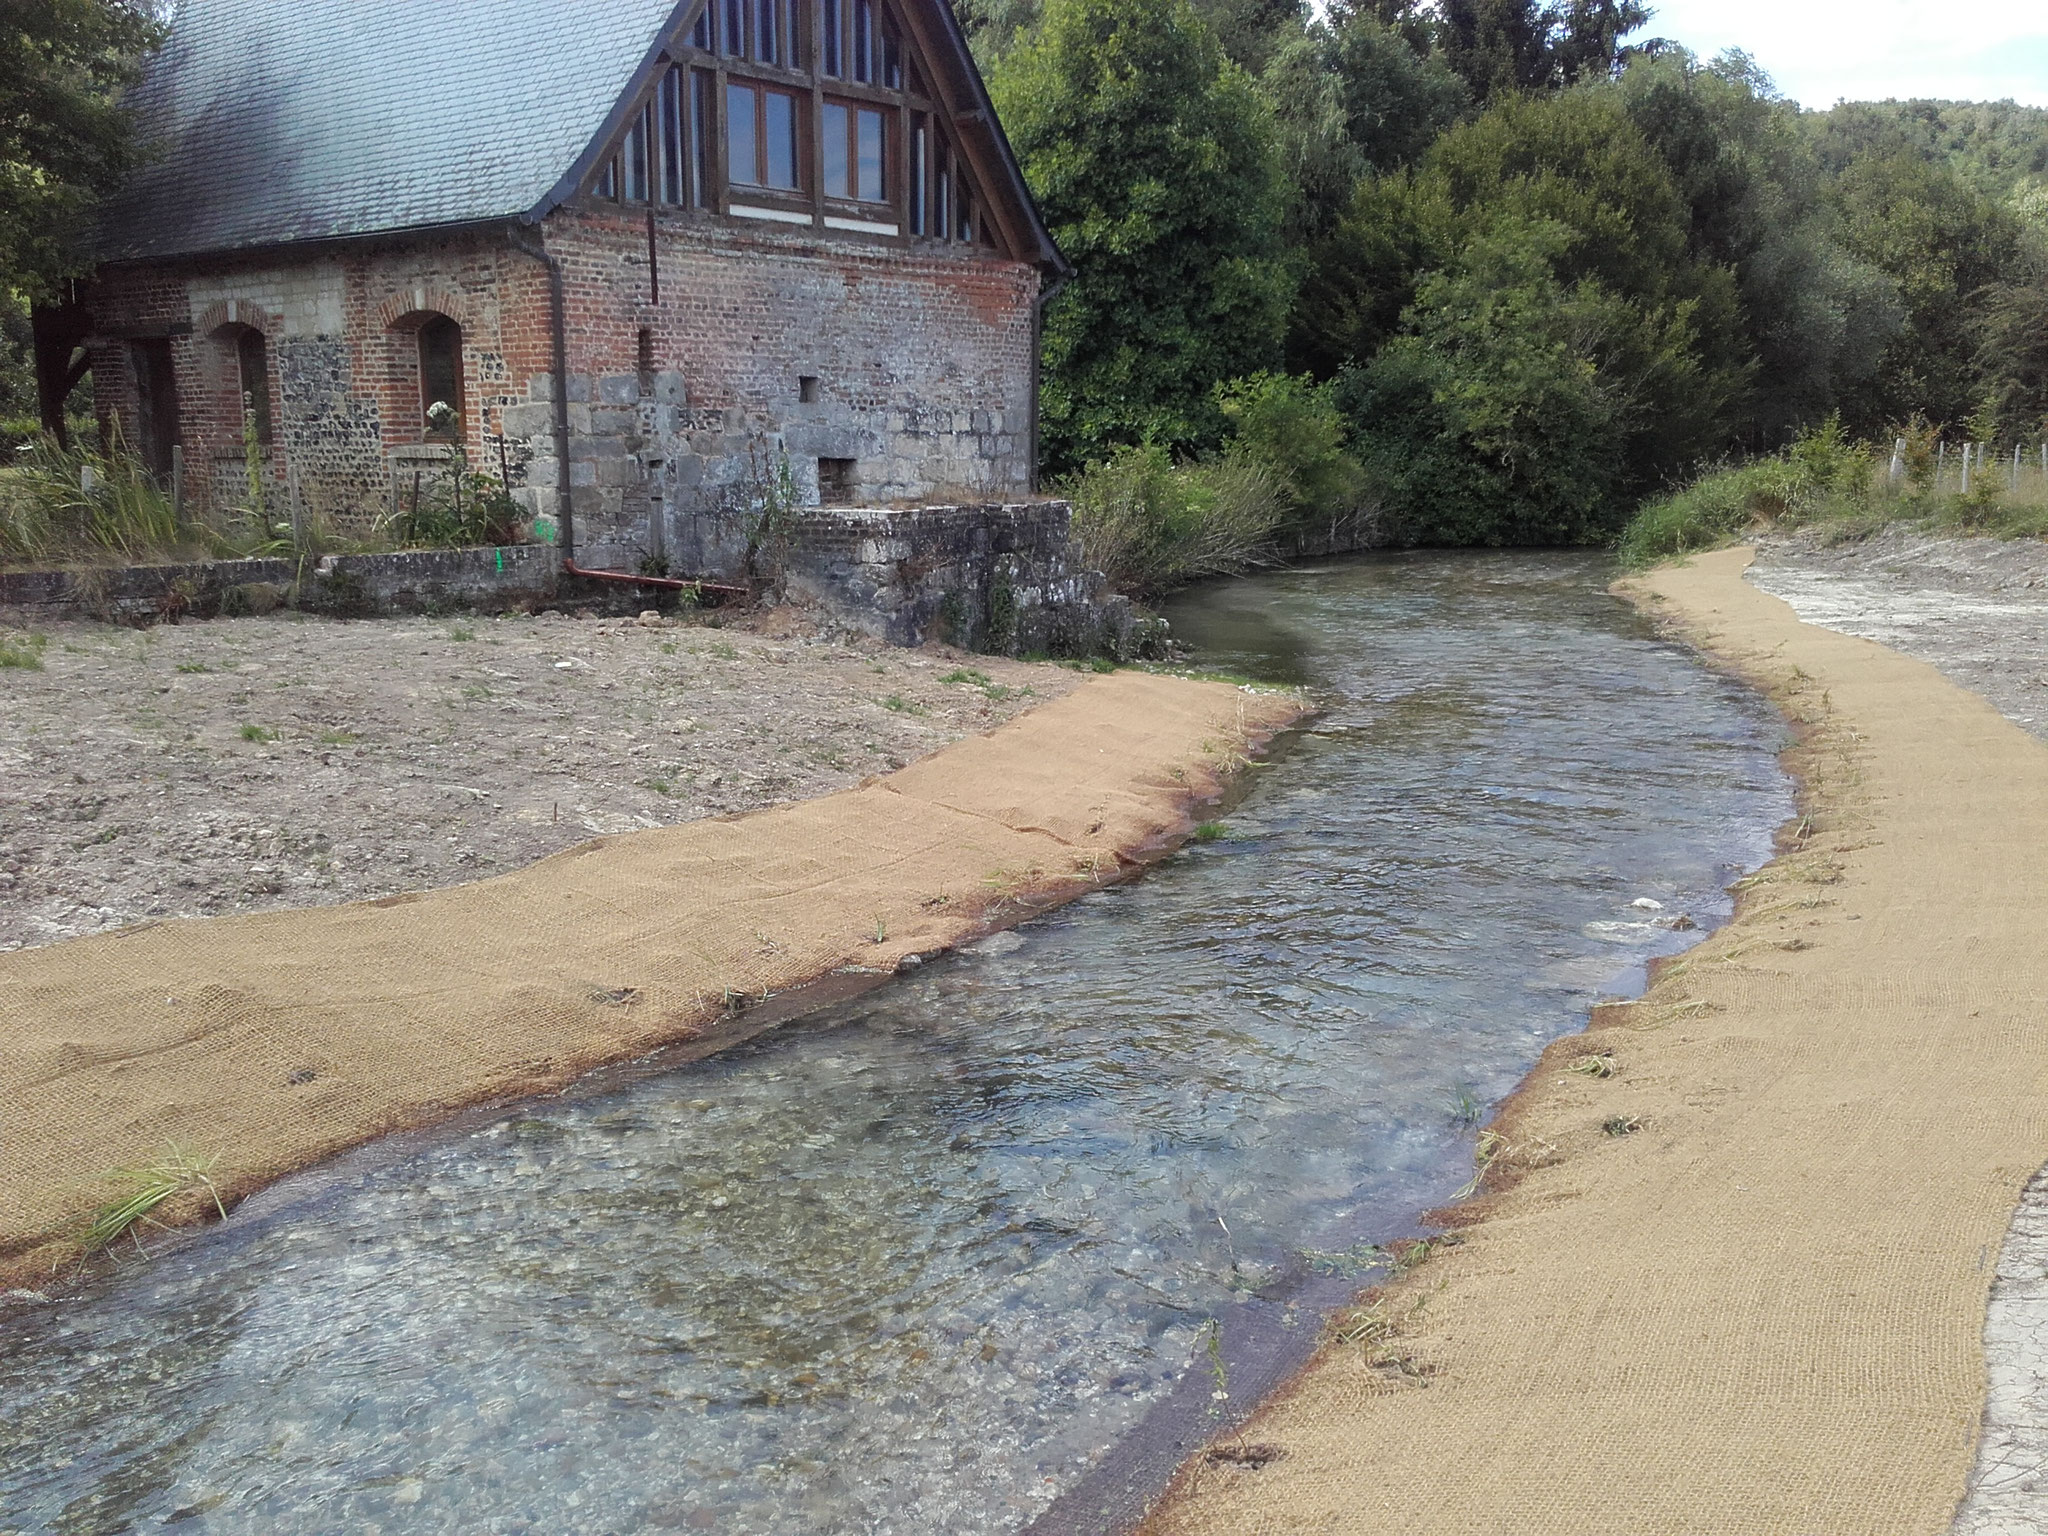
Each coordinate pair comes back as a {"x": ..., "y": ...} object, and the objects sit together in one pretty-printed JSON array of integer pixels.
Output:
[
  {"x": 193, "y": 666},
  {"x": 1218, "y": 1371},
  {"x": 461, "y": 632},
  {"x": 659, "y": 786},
  {"x": 1464, "y": 1104},
  {"x": 1211, "y": 832},
  {"x": 881, "y": 929},
  {"x": 1598, "y": 1064},
  {"x": 901, "y": 705},
  {"x": 724, "y": 650},
  {"x": 339, "y": 738},
  {"x": 972, "y": 677},
  {"x": 1622, "y": 1125},
  {"x": 23, "y": 651},
  {"x": 258, "y": 733},
  {"x": 1491, "y": 1149},
  {"x": 143, "y": 1190}
]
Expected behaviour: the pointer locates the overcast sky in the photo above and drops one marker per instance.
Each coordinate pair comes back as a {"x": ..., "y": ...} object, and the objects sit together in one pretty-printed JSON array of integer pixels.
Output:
[{"x": 1824, "y": 51}]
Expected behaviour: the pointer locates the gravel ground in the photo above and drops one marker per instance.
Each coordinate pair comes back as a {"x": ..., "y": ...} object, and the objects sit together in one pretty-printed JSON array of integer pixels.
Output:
[
  {"x": 1978, "y": 610},
  {"x": 1975, "y": 608},
  {"x": 288, "y": 761}
]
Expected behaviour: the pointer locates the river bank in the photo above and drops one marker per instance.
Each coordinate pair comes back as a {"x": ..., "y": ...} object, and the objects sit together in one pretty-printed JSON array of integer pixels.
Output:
[
  {"x": 256, "y": 763},
  {"x": 265, "y": 1042},
  {"x": 1729, "y": 1266}
]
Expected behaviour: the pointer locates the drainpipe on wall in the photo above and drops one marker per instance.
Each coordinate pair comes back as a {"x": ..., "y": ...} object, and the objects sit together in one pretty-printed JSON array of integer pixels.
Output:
[
  {"x": 1045, "y": 297},
  {"x": 558, "y": 337}
]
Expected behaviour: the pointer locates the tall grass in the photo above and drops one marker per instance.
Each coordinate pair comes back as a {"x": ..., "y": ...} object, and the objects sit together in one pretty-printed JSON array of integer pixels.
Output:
[
  {"x": 1150, "y": 524},
  {"x": 59, "y": 504},
  {"x": 1843, "y": 490}
]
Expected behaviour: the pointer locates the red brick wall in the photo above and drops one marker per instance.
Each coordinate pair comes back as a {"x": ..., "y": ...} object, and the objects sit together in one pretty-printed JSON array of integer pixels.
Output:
[{"x": 923, "y": 361}]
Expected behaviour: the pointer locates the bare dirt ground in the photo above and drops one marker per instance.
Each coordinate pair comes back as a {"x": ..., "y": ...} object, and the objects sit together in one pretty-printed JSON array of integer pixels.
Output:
[
  {"x": 287, "y": 761},
  {"x": 1977, "y": 609}
]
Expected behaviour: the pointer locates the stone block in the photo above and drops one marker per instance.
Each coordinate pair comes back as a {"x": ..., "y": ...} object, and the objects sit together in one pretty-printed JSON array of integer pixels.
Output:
[
  {"x": 579, "y": 417},
  {"x": 532, "y": 420},
  {"x": 582, "y": 472},
  {"x": 619, "y": 389},
  {"x": 613, "y": 421},
  {"x": 620, "y": 472},
  {"x": 668, "y": 388}
]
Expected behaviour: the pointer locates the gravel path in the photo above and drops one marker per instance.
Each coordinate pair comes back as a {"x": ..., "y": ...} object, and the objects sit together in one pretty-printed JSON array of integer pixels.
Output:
[
  {"x": 1977, "y": 609},
  {"x": 288, "y": 761}
]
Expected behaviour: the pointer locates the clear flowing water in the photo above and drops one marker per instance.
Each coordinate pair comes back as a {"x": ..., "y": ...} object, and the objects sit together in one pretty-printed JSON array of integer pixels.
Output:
[{"x": 913, "y": 1264}]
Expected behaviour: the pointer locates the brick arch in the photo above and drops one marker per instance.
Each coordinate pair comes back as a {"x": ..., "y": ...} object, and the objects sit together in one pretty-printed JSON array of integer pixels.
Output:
[
  {"x": 227, "y": 312},
  {"x": 409, "y": 309}
]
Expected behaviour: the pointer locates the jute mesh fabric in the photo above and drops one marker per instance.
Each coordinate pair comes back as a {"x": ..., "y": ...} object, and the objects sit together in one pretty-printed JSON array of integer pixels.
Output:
[
  {"x": 1740, "y": 1286},
  {"x": 271, "y": 1040}
]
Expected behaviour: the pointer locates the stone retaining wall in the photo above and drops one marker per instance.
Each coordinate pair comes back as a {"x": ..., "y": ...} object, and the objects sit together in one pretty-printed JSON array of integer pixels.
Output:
[{"x": 1001, "y": 578}]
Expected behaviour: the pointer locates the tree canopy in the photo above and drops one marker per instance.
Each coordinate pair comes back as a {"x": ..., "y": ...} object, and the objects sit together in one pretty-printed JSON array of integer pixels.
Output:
[
  {"x": 65, "y": 141},
  {"x": 1154, "y": 158},
  {"x": 1532, "y": 264}
]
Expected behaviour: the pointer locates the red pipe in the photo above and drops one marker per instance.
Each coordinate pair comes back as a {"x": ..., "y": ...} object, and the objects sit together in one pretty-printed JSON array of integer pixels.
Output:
[{"x": 668, "y": 583}]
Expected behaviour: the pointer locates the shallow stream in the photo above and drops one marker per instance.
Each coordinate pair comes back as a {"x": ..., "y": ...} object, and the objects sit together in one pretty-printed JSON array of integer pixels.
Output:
[{"x": 915, "y": 1264}]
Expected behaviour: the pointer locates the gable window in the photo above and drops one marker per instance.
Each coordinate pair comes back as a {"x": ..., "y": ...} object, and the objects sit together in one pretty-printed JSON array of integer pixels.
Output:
[
  {"x": 637, "y": 153},
  {"x": 855, "y": 146},
  {"x": 760, "y": 137},
  {"x": 736, "y": 123},
  {"x": 440, "y": 343},
  {"x": 252, "y": 368}
]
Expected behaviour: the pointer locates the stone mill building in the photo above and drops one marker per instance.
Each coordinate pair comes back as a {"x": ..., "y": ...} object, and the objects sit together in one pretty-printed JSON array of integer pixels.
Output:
[{"x": 647, "y": 258}]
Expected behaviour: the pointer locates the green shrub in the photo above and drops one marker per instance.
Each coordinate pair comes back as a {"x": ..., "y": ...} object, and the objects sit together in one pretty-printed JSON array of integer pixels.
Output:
[
  {"x": 1825, "y": 479},
  {"x": 1151, "y": 525},
  {"x": 1291, "y": 426}
]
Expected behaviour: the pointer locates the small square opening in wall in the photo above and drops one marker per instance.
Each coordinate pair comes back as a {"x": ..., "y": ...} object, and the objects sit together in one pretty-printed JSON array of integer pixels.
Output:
[
  {"x": 835, "y": 482},
  {"x": 807, "y": 389}
]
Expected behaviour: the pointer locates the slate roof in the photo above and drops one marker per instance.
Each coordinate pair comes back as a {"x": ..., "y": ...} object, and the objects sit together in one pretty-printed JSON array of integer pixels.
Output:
[
  {"x": 277, "y": 121},
  {"x": 281, "y": 121}
]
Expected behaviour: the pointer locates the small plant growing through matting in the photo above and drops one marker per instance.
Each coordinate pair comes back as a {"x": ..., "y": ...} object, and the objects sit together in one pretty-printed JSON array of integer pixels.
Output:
[
  {"x": 1622, "y": 1125},
  {"x": 1599, "y": 1064},
  {"x": 1464, "y": 1104},
  {"x": 258, "y": 733},
  {"x": 143, "y": 1190},
  {"x": 1219, "y": 1372}
]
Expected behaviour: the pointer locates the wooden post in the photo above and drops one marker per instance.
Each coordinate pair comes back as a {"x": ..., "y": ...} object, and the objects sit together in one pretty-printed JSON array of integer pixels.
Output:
[
  {"x": 178, "y": 484},
  {"x": 1897, "y": 471},
  {"x": 394, "y": 496},
  {"x": 291, "y": 483},
  {"x": 1940, "y": 463}
]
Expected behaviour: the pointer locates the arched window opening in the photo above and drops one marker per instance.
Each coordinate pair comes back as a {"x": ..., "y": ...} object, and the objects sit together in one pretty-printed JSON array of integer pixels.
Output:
[
  {"x": 440, "y": 341},
  {"x": 252, "y": 373}
]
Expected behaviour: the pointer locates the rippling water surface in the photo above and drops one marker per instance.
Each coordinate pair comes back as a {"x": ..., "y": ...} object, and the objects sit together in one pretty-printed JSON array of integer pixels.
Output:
[{"x": 912, "y": 1265}]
